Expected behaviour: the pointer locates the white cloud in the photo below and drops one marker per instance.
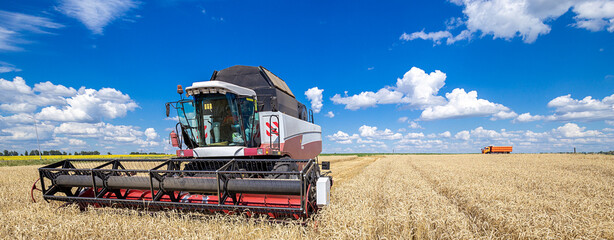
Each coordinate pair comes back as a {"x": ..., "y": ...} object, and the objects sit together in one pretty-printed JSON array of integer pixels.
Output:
[
  {"x": 567, "y": 108},
  {"x": 480, "y": 132},
  {"x": 14, "y": 25},
  {"x": 572, "y": 130},
  {"x": 343, "y": 138},
  {"x": 610, "y": 122},
  {"x": 436, "y": 37},
  {"x": 48, "y": 88},
  {"x": 587, "y": 109},
  {"x": 20, "y": 97},
  {"x": 96, "y": 14},
  {"x": 416, "y": 88},
  {"x": 419, "y": 90},
  {"x": 151, "y": 134},
  {"x": 90, "y": 105},
  {"x": 402, "y": 119},
  {"x": 330, "y": 114},
  {"x": 314, "y": 95},
  {"x": 527, "y": 117},
  {"x": 464, "y": 135},
  {"x": 68, "y": 117},
  {"x": 595, "y": 15},
  {"x": 527, "y": 19},
  {"x": 445, "y": 134},
  {"x": 17, "y": 107},
  {"x": 76, "y": 142},
  {"x": 463, "y": 104},
  {"x": 414, "y": 125},
  {"x": 7, "y": 67},
  {"x": 368, "y": 99},
  {"x": 414, "y": 135},
  {"x": 503, "y": 115},
  {"x": 372, "y": 132}
]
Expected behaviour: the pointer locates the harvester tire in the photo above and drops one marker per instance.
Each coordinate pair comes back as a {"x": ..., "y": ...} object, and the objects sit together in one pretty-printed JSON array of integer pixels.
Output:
[{"x": 284, "y": 167}]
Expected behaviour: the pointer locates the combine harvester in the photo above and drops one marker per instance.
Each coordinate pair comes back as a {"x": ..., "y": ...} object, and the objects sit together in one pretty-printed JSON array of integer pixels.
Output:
[
  {"x": 494, "y": 149},
  {"x": 245, "y": 145}
]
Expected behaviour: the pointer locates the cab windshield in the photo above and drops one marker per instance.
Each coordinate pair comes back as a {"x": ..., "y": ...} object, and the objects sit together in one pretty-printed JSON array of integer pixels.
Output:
[{"x": 219, "y": 120}]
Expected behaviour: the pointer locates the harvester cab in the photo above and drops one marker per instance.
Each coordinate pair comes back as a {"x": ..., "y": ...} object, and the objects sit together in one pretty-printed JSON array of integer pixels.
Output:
[{"x": 245, "y": 144}]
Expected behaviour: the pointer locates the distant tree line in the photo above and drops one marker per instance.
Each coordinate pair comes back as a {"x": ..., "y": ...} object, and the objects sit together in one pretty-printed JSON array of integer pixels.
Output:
[
  {"x": 47, "y": 153},
  {"x": 144, "y": 153}
]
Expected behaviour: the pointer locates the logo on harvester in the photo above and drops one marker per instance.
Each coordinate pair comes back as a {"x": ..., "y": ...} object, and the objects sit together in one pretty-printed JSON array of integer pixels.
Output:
[{"x": 273, "y": 130}]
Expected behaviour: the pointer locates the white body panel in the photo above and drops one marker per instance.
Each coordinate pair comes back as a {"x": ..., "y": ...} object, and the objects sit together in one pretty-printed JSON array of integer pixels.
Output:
[
  {"x": 323, "y": 191},
  {"x": 219, "y": 151},
  {"x": 294, "y": 137}
]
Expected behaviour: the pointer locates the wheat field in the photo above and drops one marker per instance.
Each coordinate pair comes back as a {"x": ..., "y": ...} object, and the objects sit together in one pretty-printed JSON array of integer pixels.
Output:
[{"x": 517, "y": 196}]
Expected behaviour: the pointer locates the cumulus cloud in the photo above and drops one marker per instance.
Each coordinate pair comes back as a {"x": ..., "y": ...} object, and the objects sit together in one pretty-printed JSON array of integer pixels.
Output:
[
  {"x": 414, "y": 125},
  {"x": 96, "y": 14},
  {"x": 314, "y": 95},
  {"x": 14, "y": 25},
  {"x": 343, "y": 138},
  {"x": 151, "y": 134},
  {"x": 527, "y": 117},
  {"x": 572, "y": 130},
  {"x": 567, "y": 108},
  {"x": 463, "y": 104},
  {"x": 446, "y": 134},
  {"x": 123, "y": 134},
  {"x": 416, "y": 88},
  {"x": 372, "y": 132},
  {"x": 527, "y": 19},
  {"x": 90, "y": 105},
  {"x": 330, "y": 114},
  {"x": 464, "y": 135},
  {"x": 18, "y": 96},
  {"x": 68, "y": 117},
  {"x": 419, "y": 90}
]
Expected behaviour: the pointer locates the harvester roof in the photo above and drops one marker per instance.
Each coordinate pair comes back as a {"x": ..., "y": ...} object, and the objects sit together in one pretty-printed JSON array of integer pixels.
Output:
[{"x": 218, "y": 86}]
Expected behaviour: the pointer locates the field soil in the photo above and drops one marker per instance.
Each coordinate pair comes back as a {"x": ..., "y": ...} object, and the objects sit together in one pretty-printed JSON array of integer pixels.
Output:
[{"x": 516, "y": 196}]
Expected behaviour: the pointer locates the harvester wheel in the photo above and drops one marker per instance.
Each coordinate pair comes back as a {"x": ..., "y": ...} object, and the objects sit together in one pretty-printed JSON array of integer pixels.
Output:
[
  {"x": 284, "y": 167},
  {"x": 34, "y": 187}
]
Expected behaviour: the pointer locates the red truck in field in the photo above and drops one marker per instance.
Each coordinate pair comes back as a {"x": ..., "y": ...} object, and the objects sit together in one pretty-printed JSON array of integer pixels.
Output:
[{"x": 495, "y": 149}]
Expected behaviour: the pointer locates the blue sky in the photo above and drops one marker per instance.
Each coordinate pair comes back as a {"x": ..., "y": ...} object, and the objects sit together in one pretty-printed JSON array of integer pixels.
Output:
[{"x": 403, "y": 76}]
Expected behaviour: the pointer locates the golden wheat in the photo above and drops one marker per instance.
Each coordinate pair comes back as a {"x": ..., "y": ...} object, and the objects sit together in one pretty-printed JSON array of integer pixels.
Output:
[{"x": 514, "y": 196}]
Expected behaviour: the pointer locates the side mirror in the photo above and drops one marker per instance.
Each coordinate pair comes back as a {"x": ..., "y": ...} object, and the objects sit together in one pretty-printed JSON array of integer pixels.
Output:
[{"x": 168, "y": 109}]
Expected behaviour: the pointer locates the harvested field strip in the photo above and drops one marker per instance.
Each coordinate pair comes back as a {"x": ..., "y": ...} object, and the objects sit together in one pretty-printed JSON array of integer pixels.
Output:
[
  {"x": 390, "y": 200},
  {"x": 344, "y": 169},
  {"x": 529, "y": 198}
]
